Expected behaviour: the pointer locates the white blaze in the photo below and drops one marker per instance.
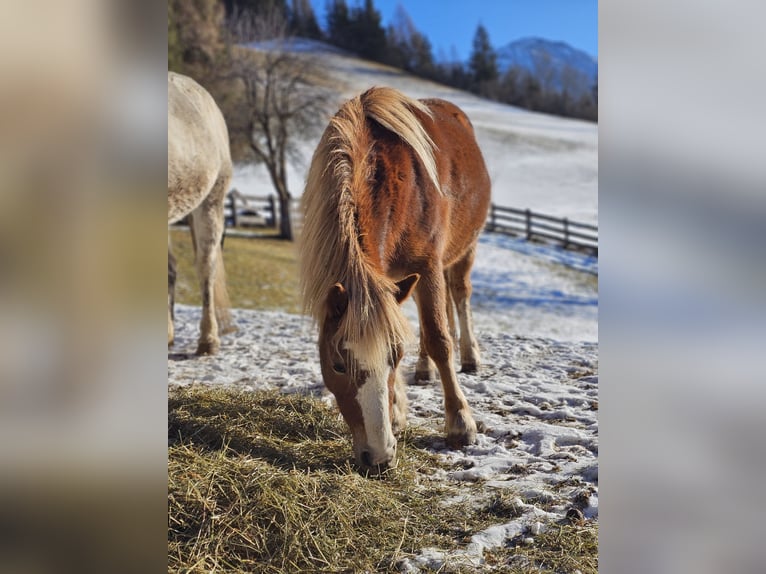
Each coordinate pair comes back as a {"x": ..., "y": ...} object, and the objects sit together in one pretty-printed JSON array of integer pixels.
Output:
[{"x": 372, "y": 396}]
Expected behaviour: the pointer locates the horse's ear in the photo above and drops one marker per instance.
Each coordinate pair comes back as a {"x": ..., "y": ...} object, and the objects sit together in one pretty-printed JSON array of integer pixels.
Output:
[
  {"x": 405, "y": 287},
  {"x": 337, "y": 301}
]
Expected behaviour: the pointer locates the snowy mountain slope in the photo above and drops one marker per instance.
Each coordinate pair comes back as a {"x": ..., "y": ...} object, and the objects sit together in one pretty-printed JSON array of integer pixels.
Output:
[{"x": 545, "y": 163}]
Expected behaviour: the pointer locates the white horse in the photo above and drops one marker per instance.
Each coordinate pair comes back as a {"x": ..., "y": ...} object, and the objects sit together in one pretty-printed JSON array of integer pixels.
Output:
[{"x": 199, "y": 172}]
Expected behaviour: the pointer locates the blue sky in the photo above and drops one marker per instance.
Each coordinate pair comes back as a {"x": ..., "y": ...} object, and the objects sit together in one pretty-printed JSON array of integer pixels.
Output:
[{"x": 449, "y": 23}]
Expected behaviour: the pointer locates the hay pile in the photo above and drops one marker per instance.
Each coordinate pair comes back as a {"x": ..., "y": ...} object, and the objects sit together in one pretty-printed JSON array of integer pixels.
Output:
[{"x": 262, "y": 482}]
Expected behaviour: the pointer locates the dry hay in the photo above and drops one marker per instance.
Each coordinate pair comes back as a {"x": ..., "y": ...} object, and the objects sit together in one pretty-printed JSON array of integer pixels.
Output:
[{"x": 262, "y": 482}]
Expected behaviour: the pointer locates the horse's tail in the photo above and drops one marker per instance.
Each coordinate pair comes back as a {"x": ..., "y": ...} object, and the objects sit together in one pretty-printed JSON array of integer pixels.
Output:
[
  {"x": 395, "y": 112},
  {"x": 221, "y": 300}
]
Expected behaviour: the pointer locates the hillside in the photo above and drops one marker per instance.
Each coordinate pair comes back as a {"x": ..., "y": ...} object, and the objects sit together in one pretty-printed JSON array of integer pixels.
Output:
[{"x": 546, "y": 163}]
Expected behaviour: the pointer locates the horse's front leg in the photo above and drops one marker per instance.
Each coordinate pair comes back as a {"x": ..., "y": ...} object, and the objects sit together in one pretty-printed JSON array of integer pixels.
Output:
[{"x": 460, "y": 426}]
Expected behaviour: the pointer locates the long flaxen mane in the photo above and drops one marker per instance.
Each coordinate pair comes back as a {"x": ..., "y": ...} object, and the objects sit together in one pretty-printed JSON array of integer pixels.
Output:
[{"x": 330, "y": 251}]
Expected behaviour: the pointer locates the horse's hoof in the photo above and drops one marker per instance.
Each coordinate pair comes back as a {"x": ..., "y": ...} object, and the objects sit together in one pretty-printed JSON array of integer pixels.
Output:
[
  {"x": 424, "y": 376},
  {"x": 461, "y": 430},
  {"x": 470, "y": 368},
  {"x": 208, "y": 348},
  {"x": 458, "y": 441}
]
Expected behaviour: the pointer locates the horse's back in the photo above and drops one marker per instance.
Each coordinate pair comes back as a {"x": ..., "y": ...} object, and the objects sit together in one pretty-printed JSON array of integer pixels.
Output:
[
  {"x": 198, "y": 144},
  {"x": 460, "y": 163},
  {"x": 463, "y": 176}
]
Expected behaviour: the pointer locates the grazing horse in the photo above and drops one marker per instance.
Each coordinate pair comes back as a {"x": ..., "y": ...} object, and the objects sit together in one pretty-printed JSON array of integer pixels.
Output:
[
  {"x": 396, "y": 197},
  {"x": 199, "y": 172}
]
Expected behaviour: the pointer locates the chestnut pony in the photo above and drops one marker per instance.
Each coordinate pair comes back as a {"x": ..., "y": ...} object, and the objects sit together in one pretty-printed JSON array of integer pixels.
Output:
[
  {"x": 396, "y": 197},
  {"x": 199, "y": 172}
]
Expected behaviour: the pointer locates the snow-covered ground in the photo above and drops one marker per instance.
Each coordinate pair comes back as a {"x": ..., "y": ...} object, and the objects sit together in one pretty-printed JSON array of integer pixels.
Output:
[
  {"x": 536, "y": 161},
  {"x": 535, "y": 310}
]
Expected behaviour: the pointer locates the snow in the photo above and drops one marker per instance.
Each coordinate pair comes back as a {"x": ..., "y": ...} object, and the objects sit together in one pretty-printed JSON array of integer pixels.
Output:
[
  {"x": 536, "y": 161},
  {"x": 535, "y": 312}
]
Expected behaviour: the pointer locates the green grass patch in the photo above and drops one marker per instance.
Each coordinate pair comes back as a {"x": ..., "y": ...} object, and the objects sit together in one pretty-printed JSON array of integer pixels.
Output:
[
  {"x": 263, "y": 482},
  {"x": 261, "y": 273}
]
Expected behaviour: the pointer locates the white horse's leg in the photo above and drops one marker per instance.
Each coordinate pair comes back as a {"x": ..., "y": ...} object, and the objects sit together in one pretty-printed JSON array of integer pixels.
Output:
[{"x": 207, "y": 221}]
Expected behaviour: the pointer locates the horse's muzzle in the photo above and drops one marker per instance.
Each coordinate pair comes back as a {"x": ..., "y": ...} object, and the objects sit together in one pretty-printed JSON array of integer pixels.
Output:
[{"x": 375, "y": 465}]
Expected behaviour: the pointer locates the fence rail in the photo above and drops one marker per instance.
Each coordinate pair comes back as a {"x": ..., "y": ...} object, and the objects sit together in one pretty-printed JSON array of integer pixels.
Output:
[
  {"x": 254, "y": 211},
  {"x": 262, "y": 211},
  {"x": 541, "y": 227},
  {"x": 242, "y": 210}
]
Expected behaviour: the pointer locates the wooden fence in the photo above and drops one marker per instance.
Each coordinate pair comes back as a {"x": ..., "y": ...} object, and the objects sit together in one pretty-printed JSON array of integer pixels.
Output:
[
  {"x": 253, "y": 211},
  {"x": 243, "y": 210},
  {"x": 262, "y": 211},
  {"x": 544, "y": 228}
]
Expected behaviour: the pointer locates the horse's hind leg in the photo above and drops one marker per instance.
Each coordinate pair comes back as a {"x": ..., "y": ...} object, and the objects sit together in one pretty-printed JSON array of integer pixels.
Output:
[
  {"x": 171, "y": 294},
  {"x": 432, "y": 306},
  {"x": 424, "y": 370},
  {"x": 460, "y": 286},
  {"x": 207, "y": 221}
]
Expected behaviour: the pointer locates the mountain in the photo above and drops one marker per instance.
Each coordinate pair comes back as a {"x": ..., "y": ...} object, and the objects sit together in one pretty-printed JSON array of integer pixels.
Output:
[{"x": 555, "y": 64}]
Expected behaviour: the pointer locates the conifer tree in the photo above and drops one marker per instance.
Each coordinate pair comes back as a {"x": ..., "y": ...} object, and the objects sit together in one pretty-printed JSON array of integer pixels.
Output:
[
  {"x": 303, "y": 21},
  {"x": 338, "y": 23},
  {"x": 483, "y": 61}
]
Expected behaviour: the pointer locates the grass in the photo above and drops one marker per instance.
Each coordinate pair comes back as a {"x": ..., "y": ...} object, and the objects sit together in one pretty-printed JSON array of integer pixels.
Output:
[
  {"x": 261, "y": 273},
  {"x": 262, "y": 482}
]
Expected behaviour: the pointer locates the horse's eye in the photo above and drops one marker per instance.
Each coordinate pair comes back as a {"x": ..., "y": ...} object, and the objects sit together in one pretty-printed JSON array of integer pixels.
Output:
[{"x": 339, "y": 368}]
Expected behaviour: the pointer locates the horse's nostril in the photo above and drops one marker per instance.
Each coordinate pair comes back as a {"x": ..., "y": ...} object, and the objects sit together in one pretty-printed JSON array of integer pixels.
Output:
[{"x": 366, "y": 459}]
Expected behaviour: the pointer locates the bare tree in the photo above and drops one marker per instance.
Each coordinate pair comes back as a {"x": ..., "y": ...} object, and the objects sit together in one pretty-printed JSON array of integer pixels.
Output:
[{"x": 283, "y": 98}]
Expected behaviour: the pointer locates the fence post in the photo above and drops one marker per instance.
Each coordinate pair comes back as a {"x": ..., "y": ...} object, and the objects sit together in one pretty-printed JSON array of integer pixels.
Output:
[
  {"x": 528, "y": 215},
  {"x": 491, "y": 226},
  {"x": 273, "y": 209},
  {"x": 566, "y": 233},
  {"x": 234, "y": 214}
]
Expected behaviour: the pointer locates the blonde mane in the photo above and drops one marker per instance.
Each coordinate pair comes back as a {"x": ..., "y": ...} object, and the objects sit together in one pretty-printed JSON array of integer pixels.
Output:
[{"x": 329, "y": 247}]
